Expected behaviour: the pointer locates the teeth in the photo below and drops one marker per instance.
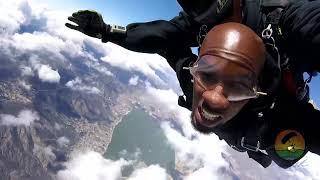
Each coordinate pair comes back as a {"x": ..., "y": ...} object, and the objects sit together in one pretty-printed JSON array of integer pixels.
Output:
[{"x": 208, "y": 115}]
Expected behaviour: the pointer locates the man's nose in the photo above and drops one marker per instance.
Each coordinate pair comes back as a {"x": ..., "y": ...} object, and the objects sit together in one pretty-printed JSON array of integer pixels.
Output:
[{"x": 215, "y": 99}]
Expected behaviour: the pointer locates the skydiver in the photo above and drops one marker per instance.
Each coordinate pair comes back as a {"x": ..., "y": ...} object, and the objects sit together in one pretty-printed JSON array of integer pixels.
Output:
[{"x": 290, "y": 31}]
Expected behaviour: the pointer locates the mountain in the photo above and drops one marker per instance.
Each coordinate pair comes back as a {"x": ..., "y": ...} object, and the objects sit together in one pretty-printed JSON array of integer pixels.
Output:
[{"x": 75, "y": 99}]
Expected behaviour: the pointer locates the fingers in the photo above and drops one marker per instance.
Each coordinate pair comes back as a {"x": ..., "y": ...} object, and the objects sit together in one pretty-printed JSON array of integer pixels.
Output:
[
  {"x": 75, "y": 20},
  {"x": 71, "y": 26},
  {"x": 83, "y": 13},
  {"x": 81, "y": 18}
]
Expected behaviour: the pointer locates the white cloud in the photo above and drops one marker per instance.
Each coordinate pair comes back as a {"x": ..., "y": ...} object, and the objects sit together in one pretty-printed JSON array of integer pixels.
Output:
[
  {"x": 26, "y": 71},
  {"x": 123, "y": 152},
  {"x": 77, "y": 85},
  {"x": 63, "y": 141},
  {"x": 154, "y": 172},
  {"x": 134, "y": 80},
  {"x": 93, "y": 166},
  {"x": 44, "y": 152},
  {"x": 25, "y": 117},
  {"x": 57, "y": 126},
  {"x": 134, "y": 156},
  {"x": 147, "y": 64},
  {"x": 47, "y": 37},
  {"x": 163, "y": 100},
  {"x": 44, "y": 72},
  {"x": 39, "y": 41},
  {"x": 202, "y": 153},
  {"x": 25, "y": 85},
  {"x": 47, "y": 74},
  {"x": 48, "y": 152},
  {"x": 103, "y": 70},
  {"x": 74, "y": 82},
  {"x": 10, "y": 17},
  {"x": 92, "y": 90}
]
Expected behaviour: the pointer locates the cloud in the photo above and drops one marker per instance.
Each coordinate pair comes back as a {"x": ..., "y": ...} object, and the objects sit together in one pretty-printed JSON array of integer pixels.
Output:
[
  {"x": 25, "y": 118},
  {"x": 44, "y": 152},
  {"x": 49, "y": 153},
  {"x": 147, "y": 64},
  {"x": 63, "y": 141},
  {"x": 49, "y": 40},
  {"x": 134, "y": 156},
  {"x": 161, "y": 99},
  {"x": 154, "y": 172},
  {"x": 77, "y": 85},
  {"x": 25, "y": 85},
  {"x": 26, "y": 71},
  {"x": 57, "y": 126},
  {"x": 74, "y": 82},
  {"x": 10, "y": 18},
  {"x": 202, "y": 153},
  {"x": 93, "y": 166},
  {"x": 134, "y": 80},
  {"x": 47, "y": 74},
  {"x": 103, "y": 70},
  {"x": 41, "y": 31}
]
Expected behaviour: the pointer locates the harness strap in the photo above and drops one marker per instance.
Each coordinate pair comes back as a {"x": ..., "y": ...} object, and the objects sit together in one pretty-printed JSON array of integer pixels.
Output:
[
  {"x": 252, "y": 14},
  {"x": 185, "y": 78},
  {"x": 289, "y": 82},
  {"x": 252, "y": 140}
]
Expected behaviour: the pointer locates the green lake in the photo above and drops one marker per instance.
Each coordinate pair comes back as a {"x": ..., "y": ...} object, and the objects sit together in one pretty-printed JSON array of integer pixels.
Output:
[{"x": 139, "y": 133}]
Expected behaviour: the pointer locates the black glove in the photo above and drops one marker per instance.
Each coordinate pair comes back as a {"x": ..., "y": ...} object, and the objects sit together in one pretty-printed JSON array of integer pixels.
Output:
[{"x": 90, "y": 23}]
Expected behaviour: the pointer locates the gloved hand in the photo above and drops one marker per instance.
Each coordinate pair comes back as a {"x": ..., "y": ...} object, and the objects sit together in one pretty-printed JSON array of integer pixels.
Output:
[{"x": 89, "y": 22}]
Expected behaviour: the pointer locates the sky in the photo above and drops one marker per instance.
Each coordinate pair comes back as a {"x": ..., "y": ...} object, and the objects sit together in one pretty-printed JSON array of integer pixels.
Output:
[
  {"x": 206, "y": 155},
  {"x": 123, "y": 12}
]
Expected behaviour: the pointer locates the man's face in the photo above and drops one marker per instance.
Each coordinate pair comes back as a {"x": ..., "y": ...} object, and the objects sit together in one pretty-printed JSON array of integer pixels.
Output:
[{"x": 212, "y": 106}]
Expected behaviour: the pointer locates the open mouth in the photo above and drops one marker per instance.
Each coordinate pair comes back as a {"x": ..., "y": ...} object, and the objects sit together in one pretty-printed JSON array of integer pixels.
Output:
[{"x": 206, "y": 118}]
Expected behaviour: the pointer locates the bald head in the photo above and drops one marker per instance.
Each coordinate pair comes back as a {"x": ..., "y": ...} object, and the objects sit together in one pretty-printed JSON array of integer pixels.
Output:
[{"x": 237, "y": 43}]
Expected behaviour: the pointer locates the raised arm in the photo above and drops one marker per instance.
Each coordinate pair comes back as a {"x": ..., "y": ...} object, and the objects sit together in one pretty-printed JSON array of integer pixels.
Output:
[
  {"x": 153, "y": 36},
  {"x": 149, "y": 37}
]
